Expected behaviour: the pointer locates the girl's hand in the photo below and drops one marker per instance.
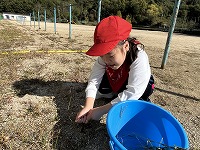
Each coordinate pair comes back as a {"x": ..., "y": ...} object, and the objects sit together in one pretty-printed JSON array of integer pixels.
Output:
[
  {"x": 95, "y": 114},
  {"x": 98, "y": 112},
  {"x": 87, "y": 114},
  {"x": 82, "y": 116}
]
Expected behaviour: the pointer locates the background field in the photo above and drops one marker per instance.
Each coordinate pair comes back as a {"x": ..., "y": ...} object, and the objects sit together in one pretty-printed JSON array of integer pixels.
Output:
[{"x": 41, "y": 91}]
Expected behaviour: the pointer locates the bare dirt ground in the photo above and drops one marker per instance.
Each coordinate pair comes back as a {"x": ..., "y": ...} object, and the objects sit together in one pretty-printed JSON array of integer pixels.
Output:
[{"x": 41, "y": 93}]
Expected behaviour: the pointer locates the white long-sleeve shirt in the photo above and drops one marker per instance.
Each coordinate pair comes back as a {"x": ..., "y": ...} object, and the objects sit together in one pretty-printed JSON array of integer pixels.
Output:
[{"x": 138, "y": 79}]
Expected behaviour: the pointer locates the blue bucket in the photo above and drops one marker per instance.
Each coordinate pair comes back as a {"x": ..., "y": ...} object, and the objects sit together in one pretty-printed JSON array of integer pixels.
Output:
[{"x": 136, "y": 124}]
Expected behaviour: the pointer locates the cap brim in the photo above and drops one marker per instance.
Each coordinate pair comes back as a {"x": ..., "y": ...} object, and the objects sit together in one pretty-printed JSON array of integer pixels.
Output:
[{"x": 101, "y": 48}]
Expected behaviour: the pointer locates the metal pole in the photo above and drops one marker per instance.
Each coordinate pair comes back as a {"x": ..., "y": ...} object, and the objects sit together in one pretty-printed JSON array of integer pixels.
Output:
[
  {"x": 54, "y": 19},
  {"x": 34, "y": 19},
  {"x": 38, "y": 19},
  {"x": 45, "y": 20},
  {"x": 30, "y": 19},
  {"x": 171, "y": 30},
  {"x": 70, "y": 21},
  {"x": 99, "y": 11},
  {"x": 23, "y": 19}
]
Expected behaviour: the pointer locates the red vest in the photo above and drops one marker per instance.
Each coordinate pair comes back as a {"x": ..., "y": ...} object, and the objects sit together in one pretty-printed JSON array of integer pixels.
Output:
[{"x": 118, "y": 77}]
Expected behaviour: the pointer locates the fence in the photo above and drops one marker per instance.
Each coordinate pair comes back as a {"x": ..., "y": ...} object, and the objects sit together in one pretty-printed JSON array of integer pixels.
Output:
[
  {"x": 1, "y": 17},
  {"x": 70, "y": 21}
]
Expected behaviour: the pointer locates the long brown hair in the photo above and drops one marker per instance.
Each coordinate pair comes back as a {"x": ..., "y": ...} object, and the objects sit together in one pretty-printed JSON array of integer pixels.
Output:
[{"x": 133, "y": 48}]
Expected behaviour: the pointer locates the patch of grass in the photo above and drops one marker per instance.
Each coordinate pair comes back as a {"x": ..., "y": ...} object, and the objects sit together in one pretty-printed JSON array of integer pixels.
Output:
[
  {"x": 32, "y": 107},
  {"x": 11, "y": 37}
]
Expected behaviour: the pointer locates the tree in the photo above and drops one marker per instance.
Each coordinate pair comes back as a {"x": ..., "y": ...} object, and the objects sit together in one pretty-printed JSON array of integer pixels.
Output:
[
  {"x": 154, "y": 12},
  {"x": 137, "y": 10}
]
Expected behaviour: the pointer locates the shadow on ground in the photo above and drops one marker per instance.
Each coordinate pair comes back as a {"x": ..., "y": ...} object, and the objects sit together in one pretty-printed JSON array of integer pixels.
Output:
[
  {"x": 67, "y": 135},
  {"x": 178, "y": 94}
]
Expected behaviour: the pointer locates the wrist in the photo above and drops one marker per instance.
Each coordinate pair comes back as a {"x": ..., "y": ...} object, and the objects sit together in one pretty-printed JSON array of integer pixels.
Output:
[
  {"x": 105, "y": 108},
  {"x": 89, "y": 103}
]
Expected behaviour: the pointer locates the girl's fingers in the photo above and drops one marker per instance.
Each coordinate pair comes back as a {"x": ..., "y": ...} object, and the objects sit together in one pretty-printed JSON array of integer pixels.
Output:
[
  {"x": 89, "y": 116},
  {"x": 82, "y": 119},
  {"x": 79, "y": 119}
]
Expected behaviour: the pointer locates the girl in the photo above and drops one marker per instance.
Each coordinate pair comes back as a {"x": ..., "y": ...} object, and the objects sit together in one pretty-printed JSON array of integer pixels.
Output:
[{"x": 122, "y": 72}]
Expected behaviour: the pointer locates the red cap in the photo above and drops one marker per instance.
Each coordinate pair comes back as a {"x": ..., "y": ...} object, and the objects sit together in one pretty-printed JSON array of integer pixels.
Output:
[{"x": 108, "y": 33}]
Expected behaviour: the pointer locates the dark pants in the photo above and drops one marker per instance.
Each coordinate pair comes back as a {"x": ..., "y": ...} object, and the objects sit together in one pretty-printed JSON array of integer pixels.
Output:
[{"x": 105, "y": 88}]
